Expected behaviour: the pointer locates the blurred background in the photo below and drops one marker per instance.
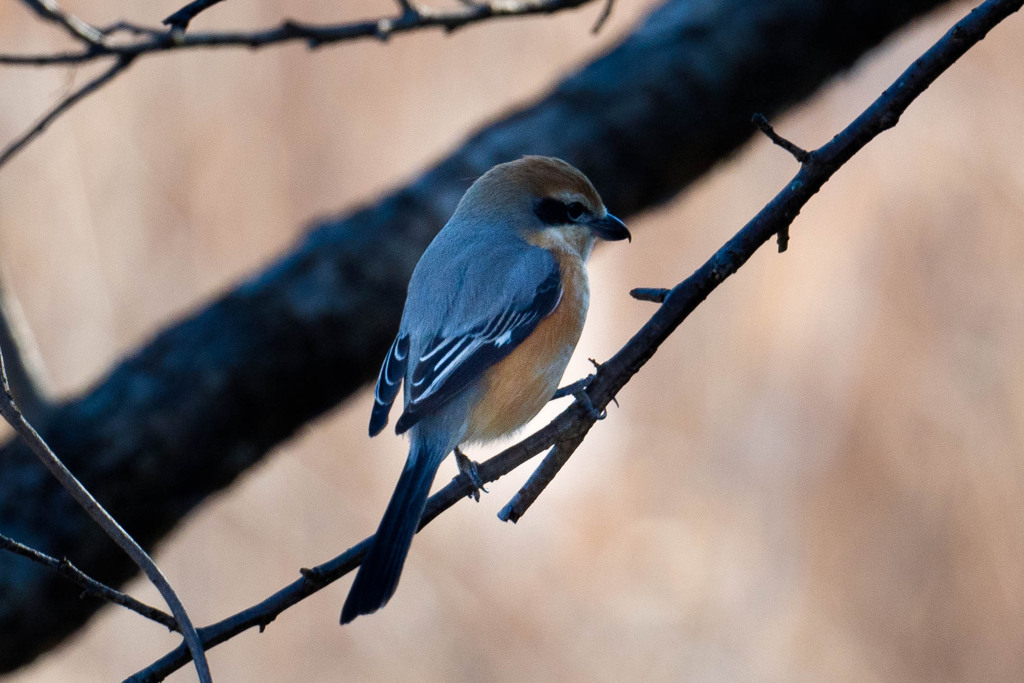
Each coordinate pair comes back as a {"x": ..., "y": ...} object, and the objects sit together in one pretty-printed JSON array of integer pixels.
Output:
[{"x": 819, "y": 477}]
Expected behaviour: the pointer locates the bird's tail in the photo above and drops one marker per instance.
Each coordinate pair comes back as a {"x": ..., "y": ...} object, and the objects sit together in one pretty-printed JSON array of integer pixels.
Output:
[{"x": 378, "y": 576}]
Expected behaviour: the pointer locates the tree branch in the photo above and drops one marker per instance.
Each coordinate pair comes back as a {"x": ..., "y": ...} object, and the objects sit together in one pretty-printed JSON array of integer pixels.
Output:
[
  {"x": 149, "y": 41},
  {"x": 655, "y": 295},
  {"x": 567, "y": 430},
  {"x": 66, "y": 103},
  {"x": 602, "y": 18},
  {"x": 186, "y": 14},
  {"x": 90, "y": 585},
  {"x": 798, "y": 153},
  {"x": 212, "y": 394},
  {"x": 24, "y": 365},
  {"x": 10, "y": 412},
  {"x": 75, "y": 27}
]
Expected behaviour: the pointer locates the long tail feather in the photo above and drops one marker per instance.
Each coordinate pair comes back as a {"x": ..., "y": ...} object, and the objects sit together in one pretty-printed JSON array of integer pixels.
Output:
[{"x": 378, "y": 576}]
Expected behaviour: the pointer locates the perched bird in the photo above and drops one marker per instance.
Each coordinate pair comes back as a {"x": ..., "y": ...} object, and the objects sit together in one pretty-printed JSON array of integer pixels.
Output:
[{"x": 494, "y": 310}]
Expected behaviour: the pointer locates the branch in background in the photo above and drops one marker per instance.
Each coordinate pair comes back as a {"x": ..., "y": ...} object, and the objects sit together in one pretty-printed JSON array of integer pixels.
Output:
[
  {"x": 24, "y": 364},
  {"x": 212, "y": 394},
  {"x": 66, "y": 103},
  {"x": 10, "y": 412},
  {"x": 606, "y": 12},
  {"x": 186, "y": 14},
  {"x": 75, "y": 27},
  {"x": 149, "y": 41},
  {"x": 89, "y": 585},
  {"x": 567, "y": 430}
]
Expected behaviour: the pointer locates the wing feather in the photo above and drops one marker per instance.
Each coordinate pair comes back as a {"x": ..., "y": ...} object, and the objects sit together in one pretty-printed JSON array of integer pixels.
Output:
[
  {"x": 462, "y": 358},
  {"x": 388, "y": 383}
]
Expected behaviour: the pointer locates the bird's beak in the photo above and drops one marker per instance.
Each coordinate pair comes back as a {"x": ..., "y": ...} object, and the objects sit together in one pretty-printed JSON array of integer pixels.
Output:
[{"x": 610, "y": 228}]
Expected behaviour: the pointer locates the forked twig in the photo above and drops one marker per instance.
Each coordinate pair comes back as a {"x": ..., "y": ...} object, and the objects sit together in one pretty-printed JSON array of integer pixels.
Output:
[
  {"x": 89, "y": 585},
  {"x": 10, "y": 412}
]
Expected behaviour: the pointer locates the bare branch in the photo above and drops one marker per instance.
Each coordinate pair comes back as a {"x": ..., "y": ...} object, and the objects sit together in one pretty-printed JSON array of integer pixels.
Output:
[
  {"x": 649, "y": 294},
  {"x": 186, "y": 14},
  {"x": 76, "y": 28},
  {"x": 799, "y": 153},
  {"x": 10, "y": 412},
  {"x": 539, "y": 480},
  {"x": 24, "y": 363},
  {"x": 307, "y": 330},
  {"x": 132, "y": 30},
  {"x": 90, "y": 585},
  {"x": 606, "y": 12},
  {"x": 149, "y": 41},
  {"x": 572, "y": 389},
  {"x": 572, "y": 425},
  {"x": 66, "y": 103},
  {"x": 407, "y": 8},
  {"x": 316, "y": 35}
]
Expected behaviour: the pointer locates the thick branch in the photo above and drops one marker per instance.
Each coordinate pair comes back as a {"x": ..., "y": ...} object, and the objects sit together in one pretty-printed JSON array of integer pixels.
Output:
[
  {"x": 569, "y": 428},
  {"x": 212, "y": 394}
]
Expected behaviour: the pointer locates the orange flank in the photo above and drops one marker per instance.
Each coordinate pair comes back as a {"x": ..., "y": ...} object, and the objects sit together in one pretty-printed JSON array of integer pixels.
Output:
[{"x": 518, "y": 386}]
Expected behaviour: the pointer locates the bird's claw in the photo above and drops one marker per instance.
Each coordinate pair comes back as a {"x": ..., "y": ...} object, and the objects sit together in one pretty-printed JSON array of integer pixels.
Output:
[
  {"x": 468, "y": 469},
  {"x": 574, "y": 388},
  {"x": 583, "y": 398}
]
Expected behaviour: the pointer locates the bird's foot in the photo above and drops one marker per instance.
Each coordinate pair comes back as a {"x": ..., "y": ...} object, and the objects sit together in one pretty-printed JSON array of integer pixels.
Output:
[
  {"x": 574, "y": 388},
  {"x": 583, "y": 398},
  {"x": 468, "y": 469}
]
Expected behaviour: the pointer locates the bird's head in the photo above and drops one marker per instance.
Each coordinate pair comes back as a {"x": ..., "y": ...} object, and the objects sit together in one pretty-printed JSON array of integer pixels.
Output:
[{"x": 545, "y": 199}]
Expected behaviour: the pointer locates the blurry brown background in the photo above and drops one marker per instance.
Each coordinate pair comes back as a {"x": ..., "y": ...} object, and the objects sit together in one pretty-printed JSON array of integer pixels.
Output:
[{"x": 818, "y": 478}]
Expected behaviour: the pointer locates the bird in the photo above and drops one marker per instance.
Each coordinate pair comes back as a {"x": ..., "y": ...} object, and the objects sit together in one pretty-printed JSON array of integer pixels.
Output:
[{"x": 494, "y": 310}]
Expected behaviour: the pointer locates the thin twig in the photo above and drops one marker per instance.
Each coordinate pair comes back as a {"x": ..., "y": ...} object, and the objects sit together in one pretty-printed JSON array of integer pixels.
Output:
[
  {"x": 315, "y": 35},
  {"x": 89, "y": 585},
  {"x": 649, "y": 294},
  {"x": 24, "y": 363},
  {"x": 539, "y": 480},
  {"x": 10, "y": 412},
  {"x": 149, "y": 41},
  {"x": 14, "y": 147},
  {"x": 132, "y": 29},
  {"x": 799, "y": 153},
  {"x": 682, "y": 300},
  {"x": 606, "y": 12},
  {"x": 78, "y": 29},
  {"x": 186, "y": 14},
  {"x": 407, "y": 7},
  {"x": 572, "y": 389}
]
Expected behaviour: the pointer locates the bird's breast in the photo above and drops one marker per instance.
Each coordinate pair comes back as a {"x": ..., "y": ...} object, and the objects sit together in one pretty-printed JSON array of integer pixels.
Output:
[{"x": 518, "y": 386}]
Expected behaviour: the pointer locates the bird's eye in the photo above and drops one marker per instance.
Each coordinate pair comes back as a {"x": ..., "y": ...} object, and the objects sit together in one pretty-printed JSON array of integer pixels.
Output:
[{"x": 554, "y": 212}]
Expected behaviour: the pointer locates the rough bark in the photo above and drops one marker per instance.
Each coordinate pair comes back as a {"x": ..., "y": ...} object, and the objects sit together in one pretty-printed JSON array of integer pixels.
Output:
[{"x": 212, "y": 394}]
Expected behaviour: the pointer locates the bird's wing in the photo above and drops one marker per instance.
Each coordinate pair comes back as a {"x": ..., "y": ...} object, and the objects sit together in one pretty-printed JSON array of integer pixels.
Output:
[
  {"x": 388, "y": 383},
  {"x": 457, "y": 355}
]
